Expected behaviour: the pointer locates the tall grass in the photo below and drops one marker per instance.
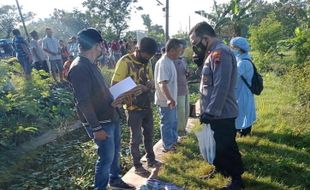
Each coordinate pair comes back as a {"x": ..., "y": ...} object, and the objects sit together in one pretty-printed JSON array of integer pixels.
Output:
[{"x": 276, "y": 156}]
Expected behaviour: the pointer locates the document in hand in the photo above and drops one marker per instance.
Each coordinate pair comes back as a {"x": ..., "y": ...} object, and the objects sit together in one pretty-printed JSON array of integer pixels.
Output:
[{"x": 122, "y": 87}]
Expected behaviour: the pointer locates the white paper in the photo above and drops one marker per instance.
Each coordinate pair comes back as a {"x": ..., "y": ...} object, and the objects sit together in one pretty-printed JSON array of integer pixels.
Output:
[{"x": 122, "y": 87}]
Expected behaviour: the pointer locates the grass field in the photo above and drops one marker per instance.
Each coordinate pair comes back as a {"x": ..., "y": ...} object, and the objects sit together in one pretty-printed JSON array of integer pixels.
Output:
[{"x": 276, "y": 156}]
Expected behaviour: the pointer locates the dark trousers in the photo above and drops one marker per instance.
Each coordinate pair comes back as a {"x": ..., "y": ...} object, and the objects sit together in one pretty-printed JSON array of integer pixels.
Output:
[
  {"x": 41, "y": 65},
  {"x": 141, "y": 123},
  {"x": 227, "y": 157}
]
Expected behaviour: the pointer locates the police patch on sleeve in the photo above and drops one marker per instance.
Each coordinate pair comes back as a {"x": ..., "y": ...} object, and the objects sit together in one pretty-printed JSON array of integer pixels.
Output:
[{"x": 216, "y": 55}]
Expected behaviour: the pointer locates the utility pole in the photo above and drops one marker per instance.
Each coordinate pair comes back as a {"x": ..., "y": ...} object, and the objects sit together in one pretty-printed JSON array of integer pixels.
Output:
[
  {"x": 22, "y": 19},
  {"x": 167, "y": 20}
]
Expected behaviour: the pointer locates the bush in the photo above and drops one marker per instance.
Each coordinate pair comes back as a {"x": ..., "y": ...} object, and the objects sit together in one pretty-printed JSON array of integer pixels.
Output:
[
  {"x": 298, "y": 79},
  {"x": 28, "y": 107}
]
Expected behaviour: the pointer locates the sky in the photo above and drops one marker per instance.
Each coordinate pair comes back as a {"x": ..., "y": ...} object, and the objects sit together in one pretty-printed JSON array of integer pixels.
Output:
[{"x": 181, "y": 11}]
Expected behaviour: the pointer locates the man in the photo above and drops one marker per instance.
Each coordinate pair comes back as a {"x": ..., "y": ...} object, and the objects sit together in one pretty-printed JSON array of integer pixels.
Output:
[
  {"x": 39, "y": 57},
  {"x": 23, "y": 53},
  {"x": 73, "y": 47},
  {"x": 51, "y": 46},
  {"x": 166, "y": 93},
  {"x": 93, "y": 100},
  {"x": 218, "y": 103},
  {"x": 139, "y": 112},
  {"x": 182, "y": 100}
]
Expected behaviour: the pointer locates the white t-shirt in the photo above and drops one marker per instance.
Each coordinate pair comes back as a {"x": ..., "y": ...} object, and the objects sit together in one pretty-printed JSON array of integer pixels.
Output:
[
  {"x": 165, "y": 71},
  {"x": 40, "y": 55},
  {"x": 52, "y": 45}
]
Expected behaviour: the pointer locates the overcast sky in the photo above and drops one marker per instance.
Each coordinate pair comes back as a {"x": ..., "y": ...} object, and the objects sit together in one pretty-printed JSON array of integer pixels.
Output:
[{"x": 181, "y": 11}]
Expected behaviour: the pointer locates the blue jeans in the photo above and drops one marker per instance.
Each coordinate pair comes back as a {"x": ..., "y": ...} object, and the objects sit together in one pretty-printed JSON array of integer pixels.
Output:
[
  {"x": 108, "y": 164},
  {"x": 168, "y": 126}
]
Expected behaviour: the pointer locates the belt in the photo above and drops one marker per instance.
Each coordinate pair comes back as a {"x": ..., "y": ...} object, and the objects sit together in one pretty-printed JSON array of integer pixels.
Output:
[{"x": 101, "y": 122}]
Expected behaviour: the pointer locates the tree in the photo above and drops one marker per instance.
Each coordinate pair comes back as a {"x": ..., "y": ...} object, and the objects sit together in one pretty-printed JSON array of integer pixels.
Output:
[
  {"x": 232, "y": 18},
  {"x": 292, "y": 13},
  {"x": 265, "y": 36},
  {"x": 109, "y": 15},
  {"x": 154, "y": 31},
  {"x": 71, "y": 22},
  {"x": 9, "y": 19},
  {"x": 147, "y": 22}
]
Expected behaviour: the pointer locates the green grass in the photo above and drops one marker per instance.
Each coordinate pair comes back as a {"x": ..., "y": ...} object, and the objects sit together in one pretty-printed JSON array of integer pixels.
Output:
[{"x": 276, "y": 156}]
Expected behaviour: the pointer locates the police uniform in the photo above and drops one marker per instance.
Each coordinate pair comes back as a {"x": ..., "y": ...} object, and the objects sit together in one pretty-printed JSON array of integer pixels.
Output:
[{"x": 217, "y": 88}]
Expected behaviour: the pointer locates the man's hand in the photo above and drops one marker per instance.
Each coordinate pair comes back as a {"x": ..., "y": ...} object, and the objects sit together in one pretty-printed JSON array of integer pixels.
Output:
[
  {"x": 150, "y": 84},
  {"x": 100, "y": 135},
  {"x": 206, "y": 118},
  {"x": 171, "y": 103}
]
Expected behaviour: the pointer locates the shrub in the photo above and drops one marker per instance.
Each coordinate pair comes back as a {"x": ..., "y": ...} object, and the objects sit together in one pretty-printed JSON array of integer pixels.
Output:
[{"x": 28, "y": 107}]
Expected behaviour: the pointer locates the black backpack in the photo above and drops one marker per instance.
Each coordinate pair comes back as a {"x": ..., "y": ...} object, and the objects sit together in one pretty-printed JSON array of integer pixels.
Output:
[{"x": 257, "y": 81}]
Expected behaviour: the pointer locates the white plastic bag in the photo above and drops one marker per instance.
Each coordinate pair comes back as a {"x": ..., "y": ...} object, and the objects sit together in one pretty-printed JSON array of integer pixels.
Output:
[{"x": 206, "y": 143}]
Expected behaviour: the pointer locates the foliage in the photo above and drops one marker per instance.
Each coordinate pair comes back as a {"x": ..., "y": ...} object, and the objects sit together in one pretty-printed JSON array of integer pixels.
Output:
[
  {"x": 111, "y": 15},
  {"x": 300, "y": 43},
  {"x": 9, "y": 18},
  {"x": 231, "y": 17},
  {"x": 154, "y": 31},
  {"x": 29, "y": 107},
  {"x": 298, "y": 79},
  {"x": 291, "y": 13},
  {"x": 273, "y": 156},
  {"x": 265, "y": 36}
]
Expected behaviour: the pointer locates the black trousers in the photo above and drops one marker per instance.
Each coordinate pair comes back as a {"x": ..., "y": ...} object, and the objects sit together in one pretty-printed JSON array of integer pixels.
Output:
[{"x": 227, "y": 157}]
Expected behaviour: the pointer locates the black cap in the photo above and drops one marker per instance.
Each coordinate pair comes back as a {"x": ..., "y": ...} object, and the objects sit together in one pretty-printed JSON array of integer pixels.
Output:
[
  {"x": 147, "y": 45},
  {"x": 88, "y": 37}
]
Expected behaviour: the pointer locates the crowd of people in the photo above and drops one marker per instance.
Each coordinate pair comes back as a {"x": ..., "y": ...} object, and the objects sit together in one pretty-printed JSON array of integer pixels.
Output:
[
  {"x": 53, "y": 55},
  {"x": 227, "y": 104}
]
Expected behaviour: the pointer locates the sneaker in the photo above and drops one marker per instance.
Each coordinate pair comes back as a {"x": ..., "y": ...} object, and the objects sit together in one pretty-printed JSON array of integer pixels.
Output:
[
  {"x": 152, "y": 163},
  {"x": 172, "y": 149},
  {"x": 119, "y": 184},
  {"x": 142, "y": 172},
  {"x": 234, "y": 185}
]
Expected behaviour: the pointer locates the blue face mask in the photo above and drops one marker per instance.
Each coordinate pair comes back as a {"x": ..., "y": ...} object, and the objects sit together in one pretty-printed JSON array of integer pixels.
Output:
[{"x": 236, "y": 52}]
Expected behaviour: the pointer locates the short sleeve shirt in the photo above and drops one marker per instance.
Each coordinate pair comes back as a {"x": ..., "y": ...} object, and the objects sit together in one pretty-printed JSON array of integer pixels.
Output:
[
  {"x": 52, "y": 45},
  {"x": 181, "y": 69},
  {"x": 127, "y": 66},
  {"x": 165, "y": 71},
  {"x": 40, "y": 55}
]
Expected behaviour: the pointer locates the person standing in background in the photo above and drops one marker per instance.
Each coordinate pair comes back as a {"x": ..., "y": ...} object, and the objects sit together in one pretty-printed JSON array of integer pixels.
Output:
[
  {"x": 245, "y": 98},
  {"x": 51, "y": 46},
  {"x": 182, "y": 102}
]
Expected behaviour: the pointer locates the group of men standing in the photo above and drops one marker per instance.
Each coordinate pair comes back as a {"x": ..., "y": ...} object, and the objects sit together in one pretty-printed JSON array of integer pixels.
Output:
[
  {"x": 101, "y": 119},
  {"x": 39, "y": 52}
]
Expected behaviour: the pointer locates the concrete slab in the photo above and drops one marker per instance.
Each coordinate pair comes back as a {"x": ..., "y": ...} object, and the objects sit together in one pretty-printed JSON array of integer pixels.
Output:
[{"x": 136, "y": 180}]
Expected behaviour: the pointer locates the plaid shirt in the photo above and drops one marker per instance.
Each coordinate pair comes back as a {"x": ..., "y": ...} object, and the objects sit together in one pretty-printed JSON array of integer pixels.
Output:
[
  {"x": 18, "y": 42},
  {"x": 154, "y": 184}
]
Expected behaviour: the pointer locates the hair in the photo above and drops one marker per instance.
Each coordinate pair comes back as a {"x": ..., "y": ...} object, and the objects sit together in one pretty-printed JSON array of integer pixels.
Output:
[
  {"x": 147, "y": 45},
  {"x": 15, "y": 32},
  {"x": 33, "y": 33},
  {"x": 173, "y": 44},
  {"x": 203, "y": 28}
]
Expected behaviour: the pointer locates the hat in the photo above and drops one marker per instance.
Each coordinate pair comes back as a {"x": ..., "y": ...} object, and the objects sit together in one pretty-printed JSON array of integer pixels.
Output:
[
  {"x": 147, "y": 45},
  {"x": 241, "y": 43},
  {"x": 88, "y": 37}
]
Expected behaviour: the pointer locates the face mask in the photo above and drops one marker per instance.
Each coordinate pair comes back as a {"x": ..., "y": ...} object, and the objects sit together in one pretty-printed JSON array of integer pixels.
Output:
[
  {"x": 236, "y": 52},
  {"x": 142, "y": 60},
  {"x": 198, "y": 60},
  {"x": 200, "y": 51}
]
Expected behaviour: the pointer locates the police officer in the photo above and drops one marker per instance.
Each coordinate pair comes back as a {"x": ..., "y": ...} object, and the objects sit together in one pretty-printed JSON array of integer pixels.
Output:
[{"x": 218, "y": 103}]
